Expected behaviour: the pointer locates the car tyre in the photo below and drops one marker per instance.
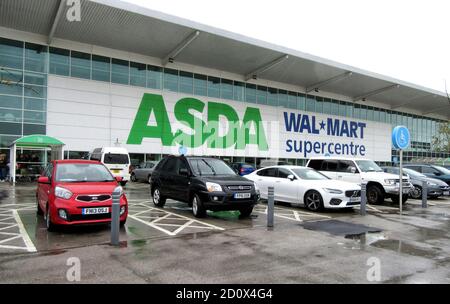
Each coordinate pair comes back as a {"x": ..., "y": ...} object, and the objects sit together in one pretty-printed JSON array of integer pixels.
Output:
[
  {"x": 38, "y": 207},
  {"x": 48, "y": 221},
  {"x": 374, "y": 195},
  {"x": 313, "y": 201},
  {"x": 245, "y": 212},
  {"x": 158, "y": 199},
  {"x": 133, "y": 178},
  {"x": 198, "y": 210},
  {"x": 122, "y": 223},
  {"x": 416, "y": 192}
]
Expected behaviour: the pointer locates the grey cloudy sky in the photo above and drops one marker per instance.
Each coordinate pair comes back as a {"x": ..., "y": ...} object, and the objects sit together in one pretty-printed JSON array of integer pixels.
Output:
[{"x": 408, "y": 40}]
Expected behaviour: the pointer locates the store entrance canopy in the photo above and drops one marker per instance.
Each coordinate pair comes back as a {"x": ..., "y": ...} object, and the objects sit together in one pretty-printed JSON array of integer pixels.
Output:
[{"x": 34, "y": 141}]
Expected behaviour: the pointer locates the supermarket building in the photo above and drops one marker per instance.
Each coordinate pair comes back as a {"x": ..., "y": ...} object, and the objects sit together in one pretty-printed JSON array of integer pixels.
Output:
[{"x": 127, "y": 76}]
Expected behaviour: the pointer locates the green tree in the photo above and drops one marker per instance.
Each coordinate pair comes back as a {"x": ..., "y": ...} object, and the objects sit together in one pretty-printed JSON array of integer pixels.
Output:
[{"x": 441, "y": 140}]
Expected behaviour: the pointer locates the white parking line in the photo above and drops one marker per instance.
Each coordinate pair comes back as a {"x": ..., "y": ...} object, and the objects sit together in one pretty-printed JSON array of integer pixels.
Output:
[
  {"x": 151, "y": 225},
  {"x": 23, "y": 232},
  {"x": 183, "y": 226},
  {"x": 10, "y": 217},
  {"x": 291, "y": 214},
  {"x": 161, "y": 219}
]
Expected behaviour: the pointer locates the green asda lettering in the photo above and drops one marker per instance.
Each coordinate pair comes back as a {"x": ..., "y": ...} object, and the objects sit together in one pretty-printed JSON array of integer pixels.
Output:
[{"x": 239, "y": 134}]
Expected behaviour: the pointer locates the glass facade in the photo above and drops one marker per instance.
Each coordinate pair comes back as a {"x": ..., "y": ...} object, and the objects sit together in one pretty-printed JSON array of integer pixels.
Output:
[{"x": 23, "y": 91}]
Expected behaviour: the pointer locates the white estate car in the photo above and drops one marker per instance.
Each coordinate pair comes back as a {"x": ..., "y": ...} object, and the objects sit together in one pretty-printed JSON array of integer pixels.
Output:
[
  {"x": 380, "y": 185},
  {"x": 306, "y": 186}
]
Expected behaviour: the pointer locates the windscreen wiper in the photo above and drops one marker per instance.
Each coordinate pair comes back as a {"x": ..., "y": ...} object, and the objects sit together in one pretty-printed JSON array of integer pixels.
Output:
[{"x": 212, "y": 169}]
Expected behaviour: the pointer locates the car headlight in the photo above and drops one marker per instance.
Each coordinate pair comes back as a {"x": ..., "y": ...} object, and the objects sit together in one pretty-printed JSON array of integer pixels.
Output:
[
  {"x": 334, "y": 191},
  {"x": 63, "y": 193},
  {"x": 213, "y": 187},
  {"x": 120, "y": 190},
  {"x": 389, "y": 181},
  {"x": 256, "y": 188}
]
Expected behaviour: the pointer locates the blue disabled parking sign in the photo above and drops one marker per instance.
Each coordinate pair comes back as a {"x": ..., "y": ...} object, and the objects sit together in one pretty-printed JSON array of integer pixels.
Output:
[{"x": 401, "y": 137}]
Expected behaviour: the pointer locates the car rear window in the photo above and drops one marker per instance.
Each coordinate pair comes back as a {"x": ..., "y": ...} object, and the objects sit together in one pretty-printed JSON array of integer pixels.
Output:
[{"x": 112, "y": 158}]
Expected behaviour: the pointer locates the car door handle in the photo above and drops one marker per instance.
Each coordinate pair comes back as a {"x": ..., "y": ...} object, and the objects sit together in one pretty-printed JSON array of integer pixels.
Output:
[{"x": 277, "y": 181}]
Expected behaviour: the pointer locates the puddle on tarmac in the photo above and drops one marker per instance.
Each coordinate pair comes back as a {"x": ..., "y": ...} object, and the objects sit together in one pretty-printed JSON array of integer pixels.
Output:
[
  {"x": 138, "y": 243},
  {"x": 379, "y": 240},
  {"x": 363, "y": 239},
  {"x": 225, "y": 215},
  {"x": 406, "y": 248}
]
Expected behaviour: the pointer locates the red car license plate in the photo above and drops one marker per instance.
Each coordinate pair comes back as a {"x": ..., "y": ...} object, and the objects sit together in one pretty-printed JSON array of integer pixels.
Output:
[{"x": 102, "y": 210}]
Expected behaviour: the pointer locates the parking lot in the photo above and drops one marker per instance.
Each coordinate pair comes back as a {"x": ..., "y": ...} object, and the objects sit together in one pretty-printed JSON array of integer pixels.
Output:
[{"x": 169, "y": 245}]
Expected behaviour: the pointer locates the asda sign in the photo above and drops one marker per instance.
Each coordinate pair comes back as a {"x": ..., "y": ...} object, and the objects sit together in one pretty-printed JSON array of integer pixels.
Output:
[
  {"x": 201, "y": 131},
  {"x": 162, "y": 123}
]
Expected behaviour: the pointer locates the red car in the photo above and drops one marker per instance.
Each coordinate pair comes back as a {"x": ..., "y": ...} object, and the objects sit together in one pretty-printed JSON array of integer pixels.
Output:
[{"x": 72, "y": 192}]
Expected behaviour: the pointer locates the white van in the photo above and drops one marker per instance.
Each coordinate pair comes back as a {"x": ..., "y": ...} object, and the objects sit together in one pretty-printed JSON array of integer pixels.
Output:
[
  {"x": 380, "y": 185},
  {"x": 117, "y": 160}
]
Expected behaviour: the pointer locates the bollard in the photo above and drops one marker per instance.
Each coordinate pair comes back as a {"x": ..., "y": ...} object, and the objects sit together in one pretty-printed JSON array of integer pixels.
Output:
[
  {"x": 270, "y": 206},
  {"x": 362, "y": 207},
  {"x": 115, "y": 215},
  {"x": 424, "y": 194}
]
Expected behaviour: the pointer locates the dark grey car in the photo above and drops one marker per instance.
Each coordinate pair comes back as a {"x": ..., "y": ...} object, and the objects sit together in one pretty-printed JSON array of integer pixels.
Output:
[
  {"x": 144, "y": 172},
  {"x": 435, "y": 186}
]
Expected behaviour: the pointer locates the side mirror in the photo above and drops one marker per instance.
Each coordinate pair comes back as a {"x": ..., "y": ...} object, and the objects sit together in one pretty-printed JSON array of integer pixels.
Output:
[
  {"x": 183, "y": 172},
  {"x": 43, "y": 180},
  {"x": 291, "y": 177},
  {"x": 118, "y": 178},
  {"x": 353, "y": 170}
]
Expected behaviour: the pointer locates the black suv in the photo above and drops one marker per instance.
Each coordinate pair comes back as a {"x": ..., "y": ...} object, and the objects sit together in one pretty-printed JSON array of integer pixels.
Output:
[{"x": 204, "y": 183}]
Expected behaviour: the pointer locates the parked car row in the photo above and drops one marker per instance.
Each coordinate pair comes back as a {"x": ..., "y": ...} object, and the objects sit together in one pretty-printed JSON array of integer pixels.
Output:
[
  {"x": 72, "y": 192},
  {"x": 435, "y": 187}
]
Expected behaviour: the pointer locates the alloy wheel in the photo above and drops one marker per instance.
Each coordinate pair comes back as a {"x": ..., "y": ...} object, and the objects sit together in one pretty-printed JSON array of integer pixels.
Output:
[
  {"x": 194, "y": 205},
  {"x": 156, "y": 196},
  {"x": 313, "y": 201},
  {"x": 416, "y": 192}
]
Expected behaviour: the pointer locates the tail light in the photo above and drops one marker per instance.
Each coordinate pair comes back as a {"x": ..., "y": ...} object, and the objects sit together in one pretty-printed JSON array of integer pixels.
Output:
[{"x": 242, "y": 170}]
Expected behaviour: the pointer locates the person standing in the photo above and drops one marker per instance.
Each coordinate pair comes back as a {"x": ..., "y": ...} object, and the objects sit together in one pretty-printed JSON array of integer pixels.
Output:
[{"x": 3, "y": 167}]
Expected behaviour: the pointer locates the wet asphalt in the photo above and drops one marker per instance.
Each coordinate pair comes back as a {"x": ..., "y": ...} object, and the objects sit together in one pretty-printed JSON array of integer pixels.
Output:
[{"x": 169, "y": 245}]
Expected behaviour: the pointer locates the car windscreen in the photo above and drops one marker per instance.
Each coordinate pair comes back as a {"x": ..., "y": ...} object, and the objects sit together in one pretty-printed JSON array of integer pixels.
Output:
[
  {"x": 413, "y": 173},
  {"x": 204, "y": 166},
  {"x": 368, "y": 166},
  {"x": 442, "y": 170},
  {"x": 72, "y": 173},
  {"x": 309, "y": 174},
  {"x": 113, "y": 158}
]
